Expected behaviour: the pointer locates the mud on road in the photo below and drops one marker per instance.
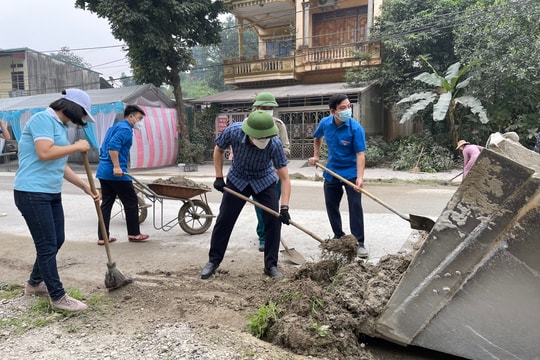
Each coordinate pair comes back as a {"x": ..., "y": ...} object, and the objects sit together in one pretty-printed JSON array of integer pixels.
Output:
[{"x": 325, "y": 309}]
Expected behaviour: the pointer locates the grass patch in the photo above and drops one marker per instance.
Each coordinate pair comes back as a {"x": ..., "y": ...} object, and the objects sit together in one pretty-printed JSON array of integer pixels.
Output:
[
  {"x": 9, "y": 291},
  {"x": 265, "y": 316},
  {"x": 38, "y": 313}
]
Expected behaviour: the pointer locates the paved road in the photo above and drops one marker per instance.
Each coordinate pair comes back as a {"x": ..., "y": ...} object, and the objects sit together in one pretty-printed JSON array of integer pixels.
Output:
[{"x": 385, "y": 231}]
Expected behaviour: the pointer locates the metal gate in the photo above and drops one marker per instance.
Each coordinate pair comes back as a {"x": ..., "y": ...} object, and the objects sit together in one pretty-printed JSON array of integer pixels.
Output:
[{"x": 300, "y": 127}]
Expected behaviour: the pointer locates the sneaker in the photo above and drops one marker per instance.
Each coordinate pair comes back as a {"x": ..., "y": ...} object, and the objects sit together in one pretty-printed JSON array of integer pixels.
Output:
[
  {"x": 362, "y": 252},
  {"x": 38, "y": 290},
  {"x": 261, "y": 247},
  {"x": 68, "y": 303}
]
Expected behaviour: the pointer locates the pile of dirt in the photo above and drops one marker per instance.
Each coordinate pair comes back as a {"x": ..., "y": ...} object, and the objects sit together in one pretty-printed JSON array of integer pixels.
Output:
[
  {"x": 181, "y": 181},
  {"x": 327, "y": 307},
  {"x": 342, "y": 249}
]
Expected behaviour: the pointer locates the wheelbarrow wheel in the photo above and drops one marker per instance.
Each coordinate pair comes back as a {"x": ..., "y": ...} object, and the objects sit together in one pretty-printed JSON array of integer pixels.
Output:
[
  {"x": 195, "y": 217},
  {"x": 143, "y": 208}
]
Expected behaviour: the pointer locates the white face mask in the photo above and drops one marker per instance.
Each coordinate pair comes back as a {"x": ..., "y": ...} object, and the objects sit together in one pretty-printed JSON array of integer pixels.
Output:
[
  {"x": 260, "y": 143},
  {"x": 271, "y": 112},
  {"x": 138, "y": 126}
]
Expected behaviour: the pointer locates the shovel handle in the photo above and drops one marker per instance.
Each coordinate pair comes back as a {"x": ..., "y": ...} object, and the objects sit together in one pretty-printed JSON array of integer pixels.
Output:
[
  {"x": 271, "y": 211},
  {"x": 455, "y": 177},
  {"x": 363, "y": 191}
]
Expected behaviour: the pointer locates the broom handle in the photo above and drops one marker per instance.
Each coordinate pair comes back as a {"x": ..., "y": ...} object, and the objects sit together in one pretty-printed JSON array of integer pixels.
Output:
[
  {"x": 273, "y": 212},
  {"x": 98, "y": 208},
  {"x": 419, "y": 157}
]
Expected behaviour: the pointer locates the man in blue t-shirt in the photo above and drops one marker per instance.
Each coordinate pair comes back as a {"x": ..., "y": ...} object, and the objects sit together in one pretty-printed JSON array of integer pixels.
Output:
[
  {"x": 346, "y": 143},
  {"x": 259, "y": 161},
  {"x": 113, "y": 163}
]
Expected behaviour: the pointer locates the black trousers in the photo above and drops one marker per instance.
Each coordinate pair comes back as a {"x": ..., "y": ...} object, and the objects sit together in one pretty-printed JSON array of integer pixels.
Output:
[
  {"x": 126, "y": 193},
  {"x": 333, "y": 193},
  {"x": 230, "y": 209}
]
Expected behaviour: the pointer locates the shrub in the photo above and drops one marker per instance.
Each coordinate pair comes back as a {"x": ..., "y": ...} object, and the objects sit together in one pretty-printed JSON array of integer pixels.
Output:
[{"x": 421, "y": 149}]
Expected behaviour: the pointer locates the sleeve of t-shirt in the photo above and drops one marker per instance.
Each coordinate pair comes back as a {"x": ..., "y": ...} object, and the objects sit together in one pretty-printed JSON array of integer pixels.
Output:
[
  {"x": 279, "y": 159},
  {"x": 319, "y": 131},
  {"x": 41, "y": 129},
  {"x": 223, "y": 141},
  {"x": 119, "y": 139},
  {"x": 359, "y": 139}
]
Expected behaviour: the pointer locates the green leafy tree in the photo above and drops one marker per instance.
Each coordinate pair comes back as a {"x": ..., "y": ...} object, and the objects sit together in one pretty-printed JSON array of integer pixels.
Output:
[
  {"x": 445, "y": 97},
  {"x": 160, "y": 36},
  {"x": 195, "y": 88},
  {"x": 505, "y": 36},
  {"x": 207, "y": 70},
  {"x": 127, "y": 80},
  {"x": 68, "y": 56},
  {"x": 407, "y": 29}
]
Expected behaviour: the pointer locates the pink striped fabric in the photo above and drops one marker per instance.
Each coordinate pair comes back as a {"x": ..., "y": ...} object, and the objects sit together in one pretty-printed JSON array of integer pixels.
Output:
[{"x": 155, "y": 146}]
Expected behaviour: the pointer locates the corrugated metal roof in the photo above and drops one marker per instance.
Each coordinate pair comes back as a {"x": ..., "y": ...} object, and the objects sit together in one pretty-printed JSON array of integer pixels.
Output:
[
  {"x": 128, "y": 94},
  {"x": 281, "y": 92}
]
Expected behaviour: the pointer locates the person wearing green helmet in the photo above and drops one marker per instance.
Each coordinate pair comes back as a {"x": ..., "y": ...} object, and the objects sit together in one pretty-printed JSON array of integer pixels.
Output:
[
  {"x": 267, "y": 102},
  {"x": 259, "y": 161}
]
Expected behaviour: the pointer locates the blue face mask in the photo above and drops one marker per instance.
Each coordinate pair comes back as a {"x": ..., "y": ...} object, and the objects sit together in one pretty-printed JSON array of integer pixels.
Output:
[{"x": 345, "y": 115}]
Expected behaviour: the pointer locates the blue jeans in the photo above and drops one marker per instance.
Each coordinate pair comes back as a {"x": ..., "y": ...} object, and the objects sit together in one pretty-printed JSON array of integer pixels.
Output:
[
  {"x": 44, "y": 216},
  {"x": 333, "y": 192}
]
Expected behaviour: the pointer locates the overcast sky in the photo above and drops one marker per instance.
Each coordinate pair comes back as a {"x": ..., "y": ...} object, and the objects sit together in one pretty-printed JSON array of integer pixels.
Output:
[{"x": 49, "y": 25}]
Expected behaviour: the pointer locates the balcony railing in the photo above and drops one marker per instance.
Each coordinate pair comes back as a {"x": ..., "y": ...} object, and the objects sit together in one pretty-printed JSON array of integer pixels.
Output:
[
  {"x": 258, "y": 70},
  {"x": 338, "y": 53},
  {"x": 304, "y": 60}
]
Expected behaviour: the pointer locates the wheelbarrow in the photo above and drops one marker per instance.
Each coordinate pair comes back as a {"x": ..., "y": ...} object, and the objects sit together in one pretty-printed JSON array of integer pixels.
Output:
[{"x": 194, "y": 216}]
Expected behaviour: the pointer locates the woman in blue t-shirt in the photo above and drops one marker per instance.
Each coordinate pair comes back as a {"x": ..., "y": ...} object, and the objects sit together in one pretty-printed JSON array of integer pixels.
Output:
[{"x": 43, "y": 152}]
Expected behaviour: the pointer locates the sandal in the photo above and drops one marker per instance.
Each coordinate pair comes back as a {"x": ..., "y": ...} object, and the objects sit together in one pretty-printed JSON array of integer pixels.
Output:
[
  {"x": 138, "y": 238},
  {"x": 102, "y": 242}
]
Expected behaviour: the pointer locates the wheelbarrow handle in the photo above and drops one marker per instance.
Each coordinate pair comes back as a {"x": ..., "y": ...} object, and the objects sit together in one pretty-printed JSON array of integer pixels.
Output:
[{"x": 271, "y": 211}]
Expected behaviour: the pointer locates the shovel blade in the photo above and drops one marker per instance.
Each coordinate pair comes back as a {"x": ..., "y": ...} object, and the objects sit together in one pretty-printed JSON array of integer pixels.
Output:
[
  {"x": 421, "y": 222},
  {"x": 293, "y": 256}
]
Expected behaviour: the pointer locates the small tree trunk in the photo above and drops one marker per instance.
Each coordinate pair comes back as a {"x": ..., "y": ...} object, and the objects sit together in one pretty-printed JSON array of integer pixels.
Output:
[
  {"x": 181, "y": 127},
  {"x": 452, "y": 124}
]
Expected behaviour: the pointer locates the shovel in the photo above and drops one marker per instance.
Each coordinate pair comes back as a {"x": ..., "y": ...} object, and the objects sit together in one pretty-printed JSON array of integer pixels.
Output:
[
  {"x": 294, "y": 256},
  {"x": 417, "y": 222}
]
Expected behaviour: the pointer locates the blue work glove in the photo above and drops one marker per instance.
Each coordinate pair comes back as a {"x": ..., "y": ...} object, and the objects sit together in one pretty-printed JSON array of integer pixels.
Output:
[
  {"x": 219, "y": 184},
  {"x": 284, "y": 215}
]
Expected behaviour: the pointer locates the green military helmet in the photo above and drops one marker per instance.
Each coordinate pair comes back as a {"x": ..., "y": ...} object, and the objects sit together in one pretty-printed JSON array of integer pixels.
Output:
[
  {"x": 260, "y": 124},
  {"x": 265, "y": 99}
]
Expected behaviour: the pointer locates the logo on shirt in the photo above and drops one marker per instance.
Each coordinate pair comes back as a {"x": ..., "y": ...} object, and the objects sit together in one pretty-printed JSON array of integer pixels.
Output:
[{"x": 345, "y": 142}]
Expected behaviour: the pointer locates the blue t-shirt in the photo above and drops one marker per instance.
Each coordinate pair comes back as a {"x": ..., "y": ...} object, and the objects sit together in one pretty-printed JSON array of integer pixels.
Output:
[
  {"x": 343, "y": 142},
  {"x": 118, "y": 138},
  {"x": 35, "y": 175},
  {"x": 251, "y": 165}
]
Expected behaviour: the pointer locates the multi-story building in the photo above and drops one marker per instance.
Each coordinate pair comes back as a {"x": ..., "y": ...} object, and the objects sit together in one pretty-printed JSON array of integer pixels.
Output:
[
  {"x": 26, "y": 72},
  {"x": 305, "y": 48}
]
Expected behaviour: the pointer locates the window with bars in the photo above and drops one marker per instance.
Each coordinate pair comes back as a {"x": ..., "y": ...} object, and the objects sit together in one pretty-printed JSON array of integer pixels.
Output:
[{"x": 17, "y": 80}]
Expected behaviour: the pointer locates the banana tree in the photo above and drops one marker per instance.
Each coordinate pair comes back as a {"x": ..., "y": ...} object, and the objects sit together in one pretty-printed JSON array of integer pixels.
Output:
[{"x": 445, "y": 98}]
